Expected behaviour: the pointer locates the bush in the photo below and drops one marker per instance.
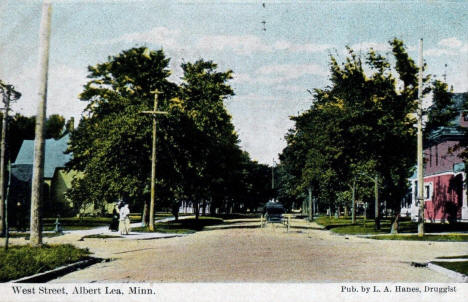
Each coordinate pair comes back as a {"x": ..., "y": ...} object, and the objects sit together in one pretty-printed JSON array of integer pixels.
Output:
[{"x": 21, "y": 261}]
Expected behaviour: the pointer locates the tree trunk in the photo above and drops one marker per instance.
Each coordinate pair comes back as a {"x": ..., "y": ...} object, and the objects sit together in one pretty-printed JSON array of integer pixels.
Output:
[
  {"x": 175, "y": 210},
  {"x": 394, "y": 229},
  {"x": 144, "y": 215},
  {"x": 196, "y": 208},
  {"x": 39, "y": 142},
  {"x": 204, "y": 208}
]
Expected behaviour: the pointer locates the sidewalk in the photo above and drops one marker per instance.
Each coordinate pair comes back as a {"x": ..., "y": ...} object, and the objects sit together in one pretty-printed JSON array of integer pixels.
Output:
[{"x": 104, "y": 230}]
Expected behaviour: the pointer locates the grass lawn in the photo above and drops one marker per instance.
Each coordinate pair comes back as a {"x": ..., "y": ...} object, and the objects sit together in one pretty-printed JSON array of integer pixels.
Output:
[
  {"x": 238, "y": 216},
  {"x": 26, "y": 235},
  {"x": 444, "y": 237},
  {"x": 453, "y": 257},
  {"x": 459, "y": 266},
  {"x": 182, "y": 226},
  {"x": 76, "y": 223},
  {"x": 21, "y": 261},
  {"x": 344, "y": 226},
  {"x": 86, "y": 223}
]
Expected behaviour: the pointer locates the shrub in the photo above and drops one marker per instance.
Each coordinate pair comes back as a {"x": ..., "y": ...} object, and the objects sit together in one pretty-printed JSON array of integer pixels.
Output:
[{"x": 21, "y": 261}]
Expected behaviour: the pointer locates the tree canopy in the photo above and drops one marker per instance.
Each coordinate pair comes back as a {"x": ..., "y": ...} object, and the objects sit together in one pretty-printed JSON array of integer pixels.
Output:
[
  {"x": 199, "y": 160},
  {"x": 359, "y": 126}
]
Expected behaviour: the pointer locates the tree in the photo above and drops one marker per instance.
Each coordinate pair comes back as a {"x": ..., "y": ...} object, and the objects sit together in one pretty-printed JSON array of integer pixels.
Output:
[
  {"x": 361, "y": 124},
  {"x": 217, "y": 158},
  {"x": 111, "y": 144},
  {"x": 443, "y": 108},
  {"x": 9, "y": 94},
  {"x": 54, "y": 126},
  {"x": 199, "y": 159}
]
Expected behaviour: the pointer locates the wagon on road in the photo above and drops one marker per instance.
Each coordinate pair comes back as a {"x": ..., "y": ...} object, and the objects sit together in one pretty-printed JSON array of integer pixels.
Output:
[{"x": 273, "y": 213}]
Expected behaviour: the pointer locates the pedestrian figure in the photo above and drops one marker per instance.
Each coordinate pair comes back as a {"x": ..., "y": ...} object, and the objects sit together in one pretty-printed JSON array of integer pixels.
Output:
[
  {"x": 124, "y": 220},
  {"x": 114, "y": 226}
]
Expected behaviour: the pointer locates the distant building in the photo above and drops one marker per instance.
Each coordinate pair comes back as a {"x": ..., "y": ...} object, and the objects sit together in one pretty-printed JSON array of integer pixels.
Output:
[
  {"x": 57, "y": 181},
  {"x": 444, "y": 174}
]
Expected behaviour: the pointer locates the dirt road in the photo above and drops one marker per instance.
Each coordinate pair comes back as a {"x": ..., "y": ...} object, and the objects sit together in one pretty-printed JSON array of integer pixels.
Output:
[{"x": 243, "y": 254}]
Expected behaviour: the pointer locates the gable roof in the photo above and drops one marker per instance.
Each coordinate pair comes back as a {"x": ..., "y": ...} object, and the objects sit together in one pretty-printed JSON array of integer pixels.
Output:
[{"x": 55, "y": 156}]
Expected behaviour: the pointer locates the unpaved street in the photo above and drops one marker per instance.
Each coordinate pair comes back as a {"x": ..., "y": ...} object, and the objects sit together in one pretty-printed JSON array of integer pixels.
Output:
[{"x": 243, "y": 254}]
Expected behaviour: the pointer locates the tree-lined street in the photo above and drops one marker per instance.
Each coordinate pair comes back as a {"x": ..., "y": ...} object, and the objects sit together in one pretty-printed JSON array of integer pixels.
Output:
[
  {"x": 327, "y": 117},
  {"x": 254, "y": 255}
]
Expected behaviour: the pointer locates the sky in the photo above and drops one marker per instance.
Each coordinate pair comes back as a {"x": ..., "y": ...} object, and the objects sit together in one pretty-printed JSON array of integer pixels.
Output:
[{"x": 274, "y": 64}]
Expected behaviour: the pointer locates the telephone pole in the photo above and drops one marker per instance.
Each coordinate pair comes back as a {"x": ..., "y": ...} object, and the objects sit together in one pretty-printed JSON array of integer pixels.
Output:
[
  {"x": 154, "y": 113},
  {"x": 6, "y": 102},
  {"x": 9, "y": 94},
  {"x": 353, "y": 210},
  {"x": 39, "y": 143},
  {"x": 420, "y": 146},
  {"x": 273, "y": 179}
]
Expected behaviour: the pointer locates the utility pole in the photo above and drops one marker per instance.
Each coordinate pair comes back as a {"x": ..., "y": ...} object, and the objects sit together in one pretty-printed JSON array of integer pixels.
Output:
[
  {"x": 6, "y": 102},
  {"x": 311, "y": 217},
  {"x": 353, "y": 210},
  {"x": 153, "y": 113},
  {"x": 39, "y": 143},
  {"x": 273, "y": 178},
  {"x": 377, "y": 206},
  {"x": 6, "y": 206},
  {"x": 420, "y": 146},
  {"x": 9, "y": 94}
]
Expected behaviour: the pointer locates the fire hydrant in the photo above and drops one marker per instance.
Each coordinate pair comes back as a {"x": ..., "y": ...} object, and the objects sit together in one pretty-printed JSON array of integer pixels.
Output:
[{"x": 58, "y": 227}]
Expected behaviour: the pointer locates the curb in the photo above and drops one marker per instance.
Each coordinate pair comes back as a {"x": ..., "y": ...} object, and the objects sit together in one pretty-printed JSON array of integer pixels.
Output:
[
  {"x": 153, "y": 238},
  {"x": 452, "y": 274},
  {"x": 58, "y": 272}
]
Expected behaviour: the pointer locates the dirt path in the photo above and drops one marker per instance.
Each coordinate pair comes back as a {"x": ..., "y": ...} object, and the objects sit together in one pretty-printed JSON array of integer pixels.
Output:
[{"x": 244, "y": 254}]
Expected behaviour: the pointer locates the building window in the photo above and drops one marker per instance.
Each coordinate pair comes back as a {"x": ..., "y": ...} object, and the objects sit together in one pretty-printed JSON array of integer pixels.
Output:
[
  {"x": 436, "y": 155},
  {"x": 427, "y": 192}
]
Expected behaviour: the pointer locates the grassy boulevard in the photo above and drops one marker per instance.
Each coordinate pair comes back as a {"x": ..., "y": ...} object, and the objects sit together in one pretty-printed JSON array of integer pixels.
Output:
[
  {"x": 21, "y": 261},
  {"x": 407, "y": 228}
]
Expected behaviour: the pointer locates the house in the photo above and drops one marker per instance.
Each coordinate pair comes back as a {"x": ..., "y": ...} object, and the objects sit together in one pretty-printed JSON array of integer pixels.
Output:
[
  {"x": 57, "y": 181},
  {"x": 444, "y": 174}
]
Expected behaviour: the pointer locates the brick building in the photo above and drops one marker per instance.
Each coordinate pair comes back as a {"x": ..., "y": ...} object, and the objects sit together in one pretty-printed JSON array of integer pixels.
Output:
[{"x": 444, "y": 174}]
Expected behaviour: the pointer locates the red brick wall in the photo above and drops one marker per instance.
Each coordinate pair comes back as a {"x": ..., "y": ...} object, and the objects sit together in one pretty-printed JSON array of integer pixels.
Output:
[{"x": 447, "y": 197}]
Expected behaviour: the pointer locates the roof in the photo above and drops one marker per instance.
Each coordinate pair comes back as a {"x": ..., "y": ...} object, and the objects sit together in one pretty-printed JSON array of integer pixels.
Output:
[
  {"x": 21, "y": 172},
  {"x": 452, "y": 130},
  {"x": 55, "y": 156}
]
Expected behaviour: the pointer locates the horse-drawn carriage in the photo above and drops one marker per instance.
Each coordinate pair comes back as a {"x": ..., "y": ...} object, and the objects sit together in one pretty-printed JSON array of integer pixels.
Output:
[{"x": 273, "y": 213}]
